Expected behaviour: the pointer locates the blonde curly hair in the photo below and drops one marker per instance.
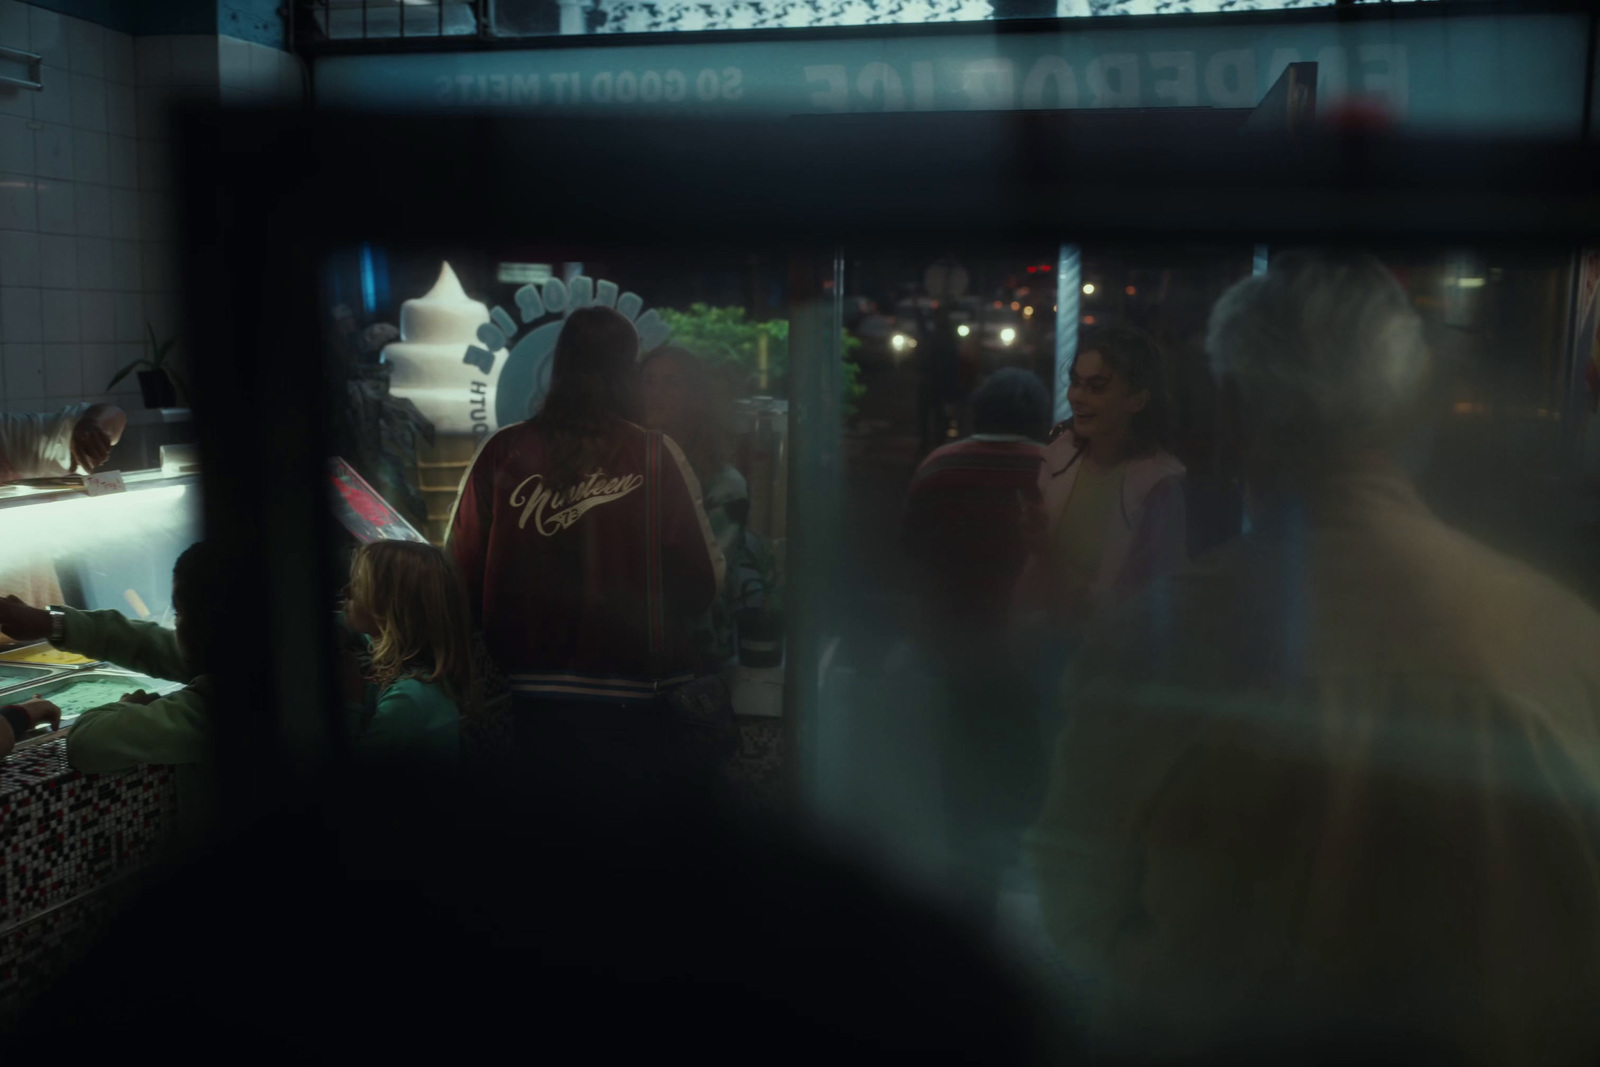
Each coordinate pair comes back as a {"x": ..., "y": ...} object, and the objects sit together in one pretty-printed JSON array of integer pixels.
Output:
[{"x": 409, "y": 596}]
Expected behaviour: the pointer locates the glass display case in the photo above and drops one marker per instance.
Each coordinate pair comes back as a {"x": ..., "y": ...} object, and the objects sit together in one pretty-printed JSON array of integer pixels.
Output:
[
  {"x": 15, "y": 674},
  {"x": 81, "y": 833},
  {"x": 114, "y": 551},
  {"x": 78, "y": 691}
]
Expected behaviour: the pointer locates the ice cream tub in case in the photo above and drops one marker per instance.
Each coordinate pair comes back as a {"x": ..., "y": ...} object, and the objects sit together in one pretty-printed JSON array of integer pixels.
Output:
[
  {"x": 22, "y": 673},
  {"x": 80, "y": 691},
  {"x": 44, "y": 654}
]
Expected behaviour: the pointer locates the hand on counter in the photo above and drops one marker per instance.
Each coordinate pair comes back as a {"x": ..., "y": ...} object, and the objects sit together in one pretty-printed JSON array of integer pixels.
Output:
[
  {"x": 39, "y": 710},
  {"x": 140, "y": 697},
  {"x": 23, "y": 622}
]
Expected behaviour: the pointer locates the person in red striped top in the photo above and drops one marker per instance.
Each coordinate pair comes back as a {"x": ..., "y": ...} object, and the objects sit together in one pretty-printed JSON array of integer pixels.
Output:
[{"x": 974, "y": 514}]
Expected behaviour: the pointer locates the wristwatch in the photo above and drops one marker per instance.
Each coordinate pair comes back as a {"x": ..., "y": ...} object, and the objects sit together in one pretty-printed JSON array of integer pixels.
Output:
[{"x": 58, "y": 625}]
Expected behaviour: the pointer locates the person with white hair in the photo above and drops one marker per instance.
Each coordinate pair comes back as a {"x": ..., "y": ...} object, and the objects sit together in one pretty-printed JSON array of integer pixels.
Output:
[{"x": 1343, "y": 769}]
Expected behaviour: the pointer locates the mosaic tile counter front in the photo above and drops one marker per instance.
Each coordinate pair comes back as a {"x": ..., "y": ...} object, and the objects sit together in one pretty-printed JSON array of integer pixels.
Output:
[{"x": 66, "y": 842}]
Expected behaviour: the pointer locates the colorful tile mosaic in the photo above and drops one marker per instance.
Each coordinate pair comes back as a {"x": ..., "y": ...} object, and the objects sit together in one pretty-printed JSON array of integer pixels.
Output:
[
  {"x": 64, "y": 834},
  {"x": 36, "y": 953}
]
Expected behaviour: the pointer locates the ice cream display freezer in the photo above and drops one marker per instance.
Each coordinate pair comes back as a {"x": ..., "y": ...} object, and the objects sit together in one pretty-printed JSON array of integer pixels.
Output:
[
  {"x": 39, "y": 654},
  {"x": 75, "y": 692},
  {"x": 21, "y": 674}
]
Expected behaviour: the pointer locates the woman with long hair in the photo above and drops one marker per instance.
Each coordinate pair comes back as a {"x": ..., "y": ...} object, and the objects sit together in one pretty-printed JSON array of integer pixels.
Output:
[
  {"x": 584, "y": 548},
  {"x": 684, "y": 400},
  {"x": 1113, "y": 495},
  {"x": 1113, "y": 504}
]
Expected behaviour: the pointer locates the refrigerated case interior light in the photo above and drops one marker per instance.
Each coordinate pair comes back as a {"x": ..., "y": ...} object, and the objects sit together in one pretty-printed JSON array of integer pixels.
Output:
[{"x": 81, "y": 522}]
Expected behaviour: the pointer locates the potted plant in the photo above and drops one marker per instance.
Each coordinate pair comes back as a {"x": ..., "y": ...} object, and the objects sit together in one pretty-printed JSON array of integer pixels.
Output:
[
  {"x": 159, "y": 381},
  {"x": 759, "y": 618}
]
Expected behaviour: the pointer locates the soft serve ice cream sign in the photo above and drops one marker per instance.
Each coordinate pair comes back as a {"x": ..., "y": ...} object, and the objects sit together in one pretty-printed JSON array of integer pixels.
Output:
[{"x": 466, "y": 367}]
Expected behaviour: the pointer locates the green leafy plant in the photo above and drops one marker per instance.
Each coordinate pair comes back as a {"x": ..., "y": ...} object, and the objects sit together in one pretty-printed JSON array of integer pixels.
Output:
[
  {"x": 731, "y": 344},
  {"x": 158, "y": 360}
]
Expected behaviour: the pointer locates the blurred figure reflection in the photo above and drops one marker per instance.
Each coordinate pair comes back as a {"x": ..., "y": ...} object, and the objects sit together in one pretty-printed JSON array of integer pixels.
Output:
[
  {"x": 685, "y": 402},
  {"x": 1113, "y": 500},
  {"x": 1347, "y": 765},
  {"x": 1112, "y": 492},
  {"x": 973, "y": 512},
  {"x": 617, "y": 934}
]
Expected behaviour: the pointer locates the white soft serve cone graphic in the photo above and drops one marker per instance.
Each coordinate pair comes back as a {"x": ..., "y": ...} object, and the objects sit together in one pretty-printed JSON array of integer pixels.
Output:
[{"x": 428, "y": 367}]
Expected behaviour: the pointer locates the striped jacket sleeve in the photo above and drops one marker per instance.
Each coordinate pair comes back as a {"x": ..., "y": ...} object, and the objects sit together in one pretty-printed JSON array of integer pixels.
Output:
[{"x": 468, "y": 537}]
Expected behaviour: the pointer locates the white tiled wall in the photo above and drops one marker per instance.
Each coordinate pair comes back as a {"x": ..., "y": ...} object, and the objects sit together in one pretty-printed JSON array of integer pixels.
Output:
[
  {"x": 170, "y": 70},
  {"x": 71, "y": 294},
  {"x": 87, "y": 238},
  {"x": 255, "y": 74}
]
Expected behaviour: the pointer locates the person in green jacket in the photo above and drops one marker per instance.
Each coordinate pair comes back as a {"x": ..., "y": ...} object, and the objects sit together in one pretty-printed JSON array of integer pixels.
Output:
[
  {"x": 143, "y": 728},
  {"x": 409, "y": 610}
]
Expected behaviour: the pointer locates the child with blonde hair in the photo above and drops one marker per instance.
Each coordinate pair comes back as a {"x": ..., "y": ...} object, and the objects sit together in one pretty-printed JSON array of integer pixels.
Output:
[{"x": 405, "y": 599}]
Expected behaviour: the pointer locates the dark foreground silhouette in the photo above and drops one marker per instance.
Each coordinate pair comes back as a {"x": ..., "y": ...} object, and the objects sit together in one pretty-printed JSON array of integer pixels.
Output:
[{"x": 415, "y": 914}]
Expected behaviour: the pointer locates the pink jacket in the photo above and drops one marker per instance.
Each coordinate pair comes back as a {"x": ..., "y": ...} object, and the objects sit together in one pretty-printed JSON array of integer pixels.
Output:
[{"x": 1146, "y": 537}]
